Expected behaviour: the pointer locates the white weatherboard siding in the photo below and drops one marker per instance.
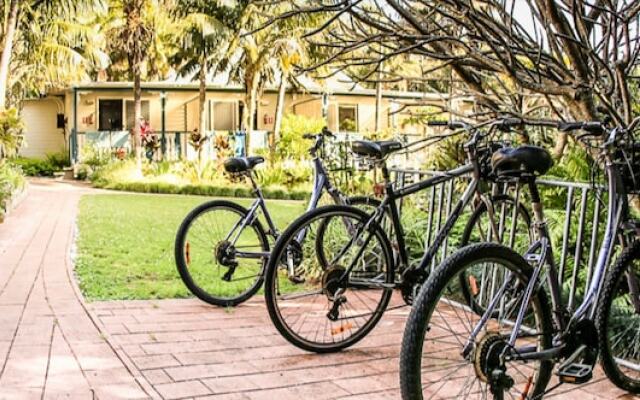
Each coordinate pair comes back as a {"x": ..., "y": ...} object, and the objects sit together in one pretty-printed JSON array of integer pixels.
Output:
[{"x": 41, "y": 135}]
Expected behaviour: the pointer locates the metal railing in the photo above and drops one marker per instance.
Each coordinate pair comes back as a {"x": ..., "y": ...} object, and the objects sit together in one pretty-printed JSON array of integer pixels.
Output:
[
  {"x": 171, "y": 145},
  {"x": 573, "y": 212}
]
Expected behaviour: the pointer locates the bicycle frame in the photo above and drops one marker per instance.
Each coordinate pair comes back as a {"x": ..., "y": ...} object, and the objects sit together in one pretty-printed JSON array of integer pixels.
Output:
[
  {"x": 541, "y": 252},
  {"x": 321, "y": 183},
  {"x": 389, "y": 203}
]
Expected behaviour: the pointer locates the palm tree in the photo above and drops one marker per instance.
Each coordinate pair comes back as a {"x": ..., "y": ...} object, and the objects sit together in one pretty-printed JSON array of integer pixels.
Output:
[
  {"x": 61, "y": 38},
  {"x": 138, "y": 45},
  {"x": 136, "y": 37},
  {"x": 289, "y": 52},
  {"x": 202, "y": 36}
]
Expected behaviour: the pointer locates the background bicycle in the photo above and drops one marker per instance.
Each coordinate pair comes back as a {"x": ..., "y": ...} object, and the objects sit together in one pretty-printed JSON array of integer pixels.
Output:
[{"x": 221, "y": 247}]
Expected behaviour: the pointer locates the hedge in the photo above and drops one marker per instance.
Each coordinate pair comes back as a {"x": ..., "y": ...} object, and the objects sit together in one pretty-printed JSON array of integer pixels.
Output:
[{"x": 200, "y": 190}]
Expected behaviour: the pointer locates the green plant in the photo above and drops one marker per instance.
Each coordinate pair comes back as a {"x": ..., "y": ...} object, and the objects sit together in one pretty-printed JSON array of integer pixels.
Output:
[
  {"x": 35, "y": 166},
  {"x": 83, "y": 172},
  {"x": 11, "y": 129},
  {"x": 59, "y": 160},
  {"x": 291, "y": 144},
  {"x": 11, "y": 180},
  {"x": 95, "y": 157}
]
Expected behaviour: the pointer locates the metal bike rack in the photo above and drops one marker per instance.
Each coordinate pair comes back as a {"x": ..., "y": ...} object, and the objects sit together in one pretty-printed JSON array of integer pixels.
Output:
[{"x": 575, "y": 227}]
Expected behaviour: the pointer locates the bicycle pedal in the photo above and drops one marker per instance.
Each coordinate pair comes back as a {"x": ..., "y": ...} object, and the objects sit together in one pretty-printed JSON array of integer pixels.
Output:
[
  {"x": 575, "y": 373},
  {"x": 297, "y": 279}
]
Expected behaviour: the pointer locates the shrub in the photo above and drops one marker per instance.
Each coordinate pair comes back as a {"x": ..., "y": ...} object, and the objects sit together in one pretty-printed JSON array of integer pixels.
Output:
[
  {"x": 11, "y": 180},
  {"x": 291, "y": 144},
  {"x": 83, "y": 171},
  {"x": 95, "y": 157},
  {"x": 35, "y": 166},
  {"x": 59, "y": 160},
  {"x": 11, "y": 130}
]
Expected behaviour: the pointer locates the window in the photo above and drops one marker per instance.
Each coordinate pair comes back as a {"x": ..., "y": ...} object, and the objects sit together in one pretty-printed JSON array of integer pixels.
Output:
[
  {"x": 110, "y": 115},
  {"x": 224, "y": 116},
  {"x": 131, "y": 112},
  {"x": 348, "y": 118}
]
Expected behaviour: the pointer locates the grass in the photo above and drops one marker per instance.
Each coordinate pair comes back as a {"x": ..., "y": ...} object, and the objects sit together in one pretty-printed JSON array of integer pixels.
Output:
[{"x": 125, "y": 244}]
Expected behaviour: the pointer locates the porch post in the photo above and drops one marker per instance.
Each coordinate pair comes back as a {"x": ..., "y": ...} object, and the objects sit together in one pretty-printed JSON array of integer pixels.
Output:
[
  {"x": 74, "y": 133},
  {"x": 163, "y": 123}
]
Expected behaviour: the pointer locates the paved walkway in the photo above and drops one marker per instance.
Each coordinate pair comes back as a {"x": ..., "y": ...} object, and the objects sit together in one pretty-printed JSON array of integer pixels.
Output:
[{"x": 52, "y": 345}]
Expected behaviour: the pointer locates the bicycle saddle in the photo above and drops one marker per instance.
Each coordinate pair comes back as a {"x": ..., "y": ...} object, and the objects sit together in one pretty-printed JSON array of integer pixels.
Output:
[
  {"x": 379, "y": 149},
  {"x": 242, "y": 164},
  {"x": 515, "y": 160}
]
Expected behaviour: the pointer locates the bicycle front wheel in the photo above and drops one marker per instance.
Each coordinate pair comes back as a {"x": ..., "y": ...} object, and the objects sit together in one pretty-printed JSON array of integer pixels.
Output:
[
  {"x": 326, "y": 306},
  {"x": 219, "y": 260},
  {"x": 618, "y": 322},
  {"x": 441, "y": 359}
]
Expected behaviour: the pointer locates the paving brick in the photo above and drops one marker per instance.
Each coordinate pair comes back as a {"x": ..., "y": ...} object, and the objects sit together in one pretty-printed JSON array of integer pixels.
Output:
[
  {"x": 156, "y": 376},
  {"x": 51, "y": 346},
  {"x": 181, "y": 390}
]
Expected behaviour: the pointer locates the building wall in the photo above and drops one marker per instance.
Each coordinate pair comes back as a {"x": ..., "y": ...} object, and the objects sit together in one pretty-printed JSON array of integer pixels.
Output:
[
  {"x": 181, "y": 108},
  {"x": 41, "y": 133}
]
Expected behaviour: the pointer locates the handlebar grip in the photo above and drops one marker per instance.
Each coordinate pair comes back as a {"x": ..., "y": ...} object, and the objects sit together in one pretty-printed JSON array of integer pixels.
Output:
[
  {"x": 456, "y": 125},
  {"x": 510, "y": 123},
  {"x": 308, "y": 136},
  {"x": 437, "y": 123},
  {"x": 570, "y": 126},
  {"x": 593, "y": 127}
]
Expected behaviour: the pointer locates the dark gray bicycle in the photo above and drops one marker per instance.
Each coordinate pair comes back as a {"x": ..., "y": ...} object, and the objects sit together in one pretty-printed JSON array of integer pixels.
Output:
[
  {"x": 509, "y": 350},
  {"x": 349, "y": 278},
  {"x": 221, "y": 247}
]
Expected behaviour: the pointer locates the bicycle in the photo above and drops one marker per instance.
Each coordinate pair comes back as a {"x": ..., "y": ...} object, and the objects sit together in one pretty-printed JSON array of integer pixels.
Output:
[
  {"x": 221, "y": 247},
  {"x": 512, "y": 347},
  {"x": 344, "y": 297}
]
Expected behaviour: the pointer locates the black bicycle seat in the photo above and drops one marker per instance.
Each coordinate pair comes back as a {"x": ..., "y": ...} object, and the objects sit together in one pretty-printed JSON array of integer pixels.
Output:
[
  {"x": 242, "y": 164},
  {"x": 379, "y": 149},
  {"x": 515, "y": 160}
]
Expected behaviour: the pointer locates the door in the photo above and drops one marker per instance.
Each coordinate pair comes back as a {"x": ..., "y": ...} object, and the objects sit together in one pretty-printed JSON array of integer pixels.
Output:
[{"x": 110, "y": 115}]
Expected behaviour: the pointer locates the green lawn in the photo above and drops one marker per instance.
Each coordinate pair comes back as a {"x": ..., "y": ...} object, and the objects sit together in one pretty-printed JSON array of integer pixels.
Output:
[{"x": 125, "y": 244}]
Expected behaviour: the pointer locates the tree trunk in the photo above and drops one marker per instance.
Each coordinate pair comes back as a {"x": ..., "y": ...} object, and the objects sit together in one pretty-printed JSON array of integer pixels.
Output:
[
  {"x": 202, "y": 99},
  {"x": 378, "y": 126},
  {"x": 5, "y": 59},
  {"x": 137, "y": 115},
  {"x": 280, "y": 107},
  {"x": 251, "y": 104}
]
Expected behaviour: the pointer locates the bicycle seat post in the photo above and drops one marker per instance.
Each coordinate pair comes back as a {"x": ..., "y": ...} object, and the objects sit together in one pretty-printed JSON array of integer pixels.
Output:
[{"x": 254, "y": 185}]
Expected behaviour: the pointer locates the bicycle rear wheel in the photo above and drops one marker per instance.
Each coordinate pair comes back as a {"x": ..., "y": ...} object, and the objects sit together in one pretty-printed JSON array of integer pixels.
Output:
[
  {"x": 514, "y": 231},
  {"x": 326, "y": 306},
  {"x": 618, "y": 322},
  {"x": 440, "y": 359},
  {"x": 220, "y": 262}
]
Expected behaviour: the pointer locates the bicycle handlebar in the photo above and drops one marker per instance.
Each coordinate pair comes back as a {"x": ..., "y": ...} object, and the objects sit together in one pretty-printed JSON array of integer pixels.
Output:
[{"x": 324, "y": 132}]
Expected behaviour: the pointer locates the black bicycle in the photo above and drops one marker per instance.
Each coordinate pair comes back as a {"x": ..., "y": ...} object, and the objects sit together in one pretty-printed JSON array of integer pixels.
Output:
[
  {"x": 221, "y": 247},
  {"x": 348, "y": 276},
  {"x": 509, "y": 350}
]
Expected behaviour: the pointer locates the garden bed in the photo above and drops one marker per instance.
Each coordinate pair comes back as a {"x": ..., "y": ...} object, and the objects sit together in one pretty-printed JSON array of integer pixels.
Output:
[{"x": 13, "y": 188}]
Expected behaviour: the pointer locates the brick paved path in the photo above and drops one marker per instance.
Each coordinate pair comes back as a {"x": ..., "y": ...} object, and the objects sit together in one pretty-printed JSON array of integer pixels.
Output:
[{"x": 52, "y": 345}]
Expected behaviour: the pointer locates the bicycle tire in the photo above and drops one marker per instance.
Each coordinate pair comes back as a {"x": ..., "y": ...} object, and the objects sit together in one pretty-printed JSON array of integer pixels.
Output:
[
  {"x": 429, "y": 297},
  {"x": 610, "y": 290},
  {"x": 183, "y": 267},
  {"x": 271, "y": 279}
]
